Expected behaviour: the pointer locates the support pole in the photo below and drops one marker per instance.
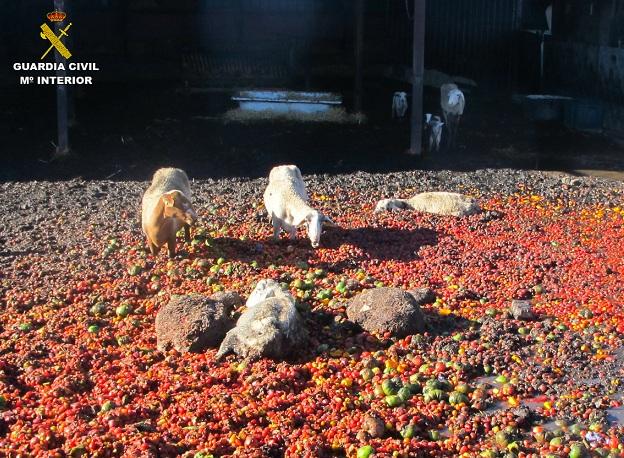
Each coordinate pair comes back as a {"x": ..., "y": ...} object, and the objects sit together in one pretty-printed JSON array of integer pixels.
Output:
[
  {"x": 62, "y": 147},
  {"x": 418, "y": 61},
  {"x": 359, "y": 49}
]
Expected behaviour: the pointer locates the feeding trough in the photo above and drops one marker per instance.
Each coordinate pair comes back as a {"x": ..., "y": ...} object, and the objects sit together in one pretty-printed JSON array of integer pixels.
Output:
[
  {"x": 543, "y": 107},
  {"x": 284, "y": 102}
]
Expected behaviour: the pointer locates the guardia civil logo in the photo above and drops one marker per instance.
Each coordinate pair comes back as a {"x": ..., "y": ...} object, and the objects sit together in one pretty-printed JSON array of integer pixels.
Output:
[
  {"x": 71, "y": 73},
  {"x": 55, "y": 41}
]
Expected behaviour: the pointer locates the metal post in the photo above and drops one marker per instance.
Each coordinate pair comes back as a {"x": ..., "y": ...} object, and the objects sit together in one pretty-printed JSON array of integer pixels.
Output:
[
  {"x": 418, "y": 62},
  {"x": 62, "y": 148},
  {"x": 359, "y": 48}
]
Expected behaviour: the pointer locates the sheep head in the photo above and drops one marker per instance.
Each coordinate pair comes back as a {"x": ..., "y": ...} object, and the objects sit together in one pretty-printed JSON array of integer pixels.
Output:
[
  {"x": 178, "y": 206},
  {"x": 314, "y": 222}
]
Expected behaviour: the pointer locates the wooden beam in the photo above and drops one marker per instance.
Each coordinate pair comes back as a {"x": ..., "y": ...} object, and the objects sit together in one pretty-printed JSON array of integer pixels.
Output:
[
  {"x": 418, "y": 64},
  {"x": 62, "y": 148},
  {"x": 359, "y": 50}
]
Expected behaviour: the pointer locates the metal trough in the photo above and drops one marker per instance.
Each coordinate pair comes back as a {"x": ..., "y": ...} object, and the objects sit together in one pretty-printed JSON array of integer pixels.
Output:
[{"x": 280, "y": 101}]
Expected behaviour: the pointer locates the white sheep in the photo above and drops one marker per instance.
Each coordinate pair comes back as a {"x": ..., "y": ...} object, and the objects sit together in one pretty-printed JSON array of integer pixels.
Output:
[
  {"x": 286, "y": 201},
  {"x": 439, "y": 203},
  {"x": 452, "y": 102},
  {"x": 399, "y": 104},
  {"x": 433, "y": 132}
]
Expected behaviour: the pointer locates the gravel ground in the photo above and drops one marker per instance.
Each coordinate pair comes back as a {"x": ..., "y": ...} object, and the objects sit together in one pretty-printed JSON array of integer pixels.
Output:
[
  {"x": 58, "y": 233},
  {"x": 36, "y": 210},
  {"x": 67, "y": 222}
]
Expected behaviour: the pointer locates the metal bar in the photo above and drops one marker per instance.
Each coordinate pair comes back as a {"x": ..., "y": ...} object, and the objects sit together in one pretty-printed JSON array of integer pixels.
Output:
[
  {"x": 61, "y": 96},
  {"x": 359, "y": 49},
  {"x": 418, "y": 61}
]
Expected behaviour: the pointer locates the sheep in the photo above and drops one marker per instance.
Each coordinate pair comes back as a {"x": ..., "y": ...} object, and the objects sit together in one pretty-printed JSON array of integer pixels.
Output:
[
  {"x": 439, "y": 203},
  {"x": 165, "y": 208},
  {"x": 433, "y": 132},
  {"x": 270, "y": 327},
  {"x": 452, "y": 102},
  {"x": 286, "y": 201},
  {"x": 399, "y": 104}
]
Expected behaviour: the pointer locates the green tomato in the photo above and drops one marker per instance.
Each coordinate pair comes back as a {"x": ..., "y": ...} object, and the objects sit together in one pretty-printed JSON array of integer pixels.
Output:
[
  {"x": 108, "y": 405},
  {"x": 501, "y": 379},
  {"x": 24, "y": 327},
  {"x": 408, "y": 432},
  {"x": 94, "y": 329},
  {"x": 366, "y": 374},
  {"x": 134, "y": 269},
  {"x": 456, "y": 398},
  {"x": 394, "y": 400},
  {"x": 414, "y": 388},
  {"x": 365, "y": 451},
  {"x": 123, "y": 340},
  {"x": 434, "y": 435},
  {"x": 389, "y": 387},
  {"x": 123, "y": 310},
  {"x": 502, "y": 439},
  {"x": 98, "y": 309},
  {"x": 576, "y": 451},
  {"x": 405, "y": 394}
]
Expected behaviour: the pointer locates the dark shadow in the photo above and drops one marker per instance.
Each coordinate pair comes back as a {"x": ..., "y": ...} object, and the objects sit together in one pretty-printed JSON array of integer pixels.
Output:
[
  {"x": 438, "y": 325},
  {"x": 127, "y": 138},
  {"x": 382, "y": 243}
]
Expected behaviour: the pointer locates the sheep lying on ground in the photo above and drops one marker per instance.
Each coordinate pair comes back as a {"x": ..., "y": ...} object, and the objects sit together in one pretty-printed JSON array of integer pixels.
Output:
[
  {"x": 439, "y": 203},
  {"x": 271, "y": 327},
  {"x": 165, "y": 208},
  {"x": 286, "y": 201}
]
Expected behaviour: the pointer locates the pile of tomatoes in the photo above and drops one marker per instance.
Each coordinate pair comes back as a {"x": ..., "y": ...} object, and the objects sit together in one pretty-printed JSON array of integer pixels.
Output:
[{"x": 80, "y": 374}]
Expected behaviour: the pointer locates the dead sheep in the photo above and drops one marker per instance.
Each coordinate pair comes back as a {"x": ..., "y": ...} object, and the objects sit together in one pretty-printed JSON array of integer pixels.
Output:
[
  {"x": 438, "y": 203},
  {"x": 270, "y": 326}
]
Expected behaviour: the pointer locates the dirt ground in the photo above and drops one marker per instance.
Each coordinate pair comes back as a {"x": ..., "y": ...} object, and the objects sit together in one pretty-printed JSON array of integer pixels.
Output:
[{"x": 125, "y": 132}]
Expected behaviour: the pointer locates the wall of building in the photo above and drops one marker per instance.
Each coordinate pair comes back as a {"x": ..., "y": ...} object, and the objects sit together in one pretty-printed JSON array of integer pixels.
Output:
[{"x": 586, "y": 56}]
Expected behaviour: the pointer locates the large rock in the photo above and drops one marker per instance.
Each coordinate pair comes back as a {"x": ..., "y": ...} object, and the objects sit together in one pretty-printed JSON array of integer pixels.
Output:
[
  {"x": 270, "y": 328},
  {"x": 391, "y": 310},
  {"x": 193, "y": 323}
]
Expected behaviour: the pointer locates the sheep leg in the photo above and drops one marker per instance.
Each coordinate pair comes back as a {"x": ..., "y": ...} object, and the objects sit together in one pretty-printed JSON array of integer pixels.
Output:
[
  {"x": 292, "y": 232},
  {"x": 171, "y": 246},
  {"x": 187, "y": 233},
  {"x": 153, "y": 248},
  {"x": 276, "y": 228}
]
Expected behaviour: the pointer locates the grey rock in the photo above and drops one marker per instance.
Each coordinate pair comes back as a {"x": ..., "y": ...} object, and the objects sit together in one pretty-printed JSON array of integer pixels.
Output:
[
  {"x": 193, "y": 323},
  {"x": 383, "y": 310},
  {"x": 373, "y": 425},
  {"x": 521, "y": 310}
]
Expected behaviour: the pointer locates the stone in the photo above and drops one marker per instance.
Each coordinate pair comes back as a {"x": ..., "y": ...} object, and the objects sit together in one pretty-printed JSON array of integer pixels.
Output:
[
  {"x": 521, "y": 310},
  {"x": 382, "y": 310},
  {"x": 193, "y": 323},
  {"x": 373, "y": 425}
]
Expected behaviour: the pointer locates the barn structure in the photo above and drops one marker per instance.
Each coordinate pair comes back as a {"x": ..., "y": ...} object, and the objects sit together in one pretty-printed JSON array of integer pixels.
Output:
[{"x": 565, "y": 47}]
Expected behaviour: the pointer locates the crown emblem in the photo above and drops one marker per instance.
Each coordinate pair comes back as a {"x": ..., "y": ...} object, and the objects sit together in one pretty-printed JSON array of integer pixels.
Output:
[{"x": 56, "y": 16}]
